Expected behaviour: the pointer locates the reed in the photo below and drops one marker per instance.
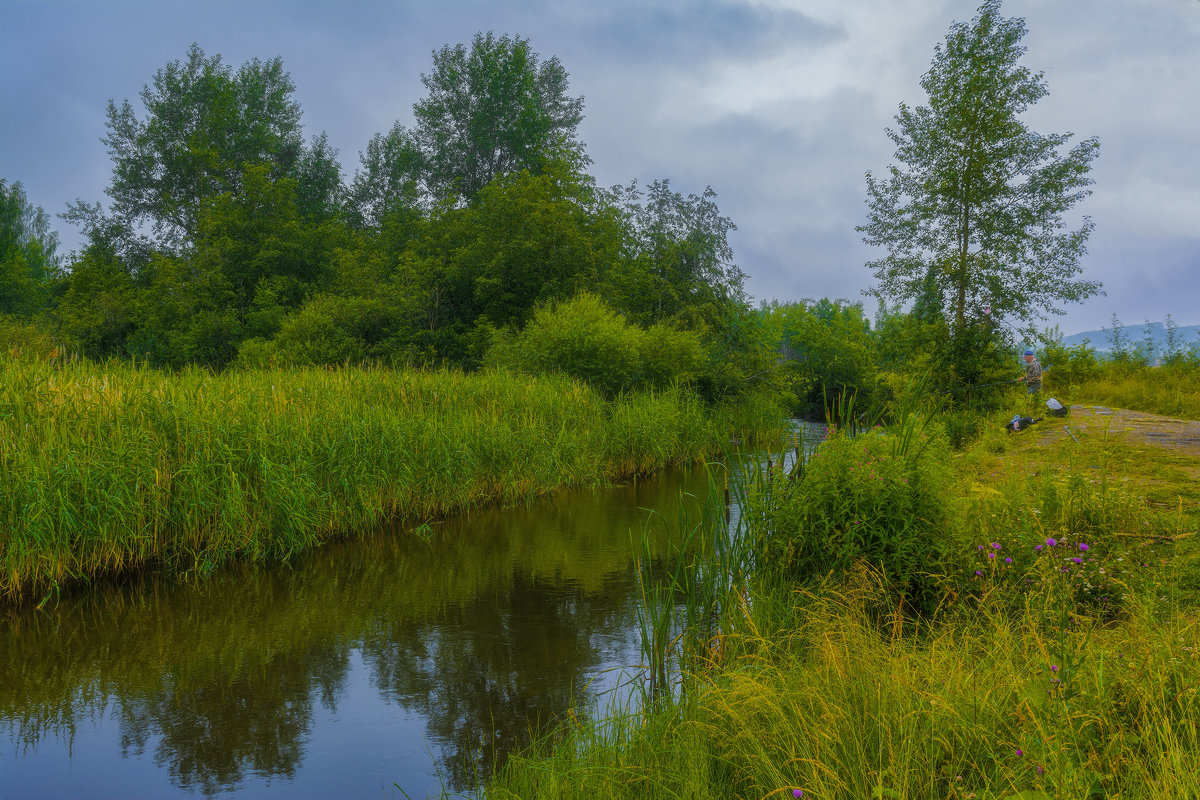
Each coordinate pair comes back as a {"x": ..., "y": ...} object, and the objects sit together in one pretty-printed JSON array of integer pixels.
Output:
[{"x": 117, "y": 467}]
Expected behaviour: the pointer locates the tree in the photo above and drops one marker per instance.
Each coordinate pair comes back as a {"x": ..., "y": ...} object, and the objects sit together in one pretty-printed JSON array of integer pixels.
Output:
[
  {"x": 973, "y": 218},
  {"x": 830, "y": 350},
  {"x": 678, "y": 265},
  {"x": 389, "y": 181},
  {"x": 492, "y": 111},
  {"x": 204, "y": 123},
  {"x": 533, "y": 239},
  {"x": 28, "y": 258}
]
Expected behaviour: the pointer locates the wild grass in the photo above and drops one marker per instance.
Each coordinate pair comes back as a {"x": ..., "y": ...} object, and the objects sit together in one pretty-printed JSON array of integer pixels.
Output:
[
  {"x": 1172, "y": 390},
  {"x": 112, "y": 468},
  {"x": 1063, "y": 660},
  {"x": 991, "y": 706}
]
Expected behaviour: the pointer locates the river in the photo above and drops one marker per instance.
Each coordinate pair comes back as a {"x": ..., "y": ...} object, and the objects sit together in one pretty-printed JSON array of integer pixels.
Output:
[
  {"x": 391, "y": 665},
  {"x": 391, "y": 659}
]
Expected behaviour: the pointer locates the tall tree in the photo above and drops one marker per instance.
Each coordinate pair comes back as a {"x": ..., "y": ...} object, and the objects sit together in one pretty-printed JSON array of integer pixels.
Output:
[
  {"x": 973, "y": 215},
  {"x": 491, "y": 111},
  {"x": 203, "y": 124},
  {"x": 389, "y": 180}
]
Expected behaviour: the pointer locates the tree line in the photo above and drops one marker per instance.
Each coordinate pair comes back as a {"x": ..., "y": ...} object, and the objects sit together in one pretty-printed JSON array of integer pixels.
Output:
[{"x": 228, "y": 239}]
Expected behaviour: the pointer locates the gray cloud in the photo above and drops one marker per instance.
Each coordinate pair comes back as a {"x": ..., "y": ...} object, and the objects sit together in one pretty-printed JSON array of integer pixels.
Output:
[{"x": 779, "y": 105}]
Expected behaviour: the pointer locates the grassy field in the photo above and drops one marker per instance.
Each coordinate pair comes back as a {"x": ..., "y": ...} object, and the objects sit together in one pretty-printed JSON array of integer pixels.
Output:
[
  {"x": 112, "y": 468},
  {"x": 1061, "y": 659}
]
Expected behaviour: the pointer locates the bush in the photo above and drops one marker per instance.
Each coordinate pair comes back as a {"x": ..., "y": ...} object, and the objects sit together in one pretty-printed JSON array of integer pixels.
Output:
[
  {"x": 586, "y": 339},
  {"x": 830, "y": 351},
  {"x": 862, "y": 499},
  {"x": 24, "y": 339}
]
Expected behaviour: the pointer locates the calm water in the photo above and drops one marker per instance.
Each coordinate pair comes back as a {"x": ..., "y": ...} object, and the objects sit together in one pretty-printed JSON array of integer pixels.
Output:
[{"x": 392, "y": 660}]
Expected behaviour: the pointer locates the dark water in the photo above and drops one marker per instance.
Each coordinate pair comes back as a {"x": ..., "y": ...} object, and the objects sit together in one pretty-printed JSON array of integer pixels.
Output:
[{"x": 391, "y": 660}]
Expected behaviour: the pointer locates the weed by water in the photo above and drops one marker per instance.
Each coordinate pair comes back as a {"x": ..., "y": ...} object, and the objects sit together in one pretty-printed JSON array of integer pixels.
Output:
[{"x": 111, "y": 468}]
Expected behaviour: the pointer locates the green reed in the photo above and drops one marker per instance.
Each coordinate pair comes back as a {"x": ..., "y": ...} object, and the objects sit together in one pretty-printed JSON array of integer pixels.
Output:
[{"x": 116, "y": 467}]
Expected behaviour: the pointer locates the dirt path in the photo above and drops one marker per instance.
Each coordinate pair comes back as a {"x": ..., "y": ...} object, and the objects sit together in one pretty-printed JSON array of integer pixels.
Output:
[{"x": 1179, "y": 435}]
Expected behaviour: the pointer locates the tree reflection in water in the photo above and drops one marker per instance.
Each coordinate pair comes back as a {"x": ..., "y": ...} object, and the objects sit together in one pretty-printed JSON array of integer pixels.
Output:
[{"x": 489, "y": 633}]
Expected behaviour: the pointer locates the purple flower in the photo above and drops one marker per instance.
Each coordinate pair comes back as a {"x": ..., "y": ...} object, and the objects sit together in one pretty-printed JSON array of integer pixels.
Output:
[
  {"x": 995, "y": 545},
  {"x": 1008, "y": 561},
  {"x": 1083, "y": 546},
  {"x": 1051, "y": 542},
  {"x": 797, "y": 793},
  {"x": 1077, "y": 560},
  {"x": 981, "y": 547},
  {"x": 991, "y": 555},
  {"x": 1037, "y": 547},
  {"x": 978, "y": 573},
  {"x": 1020, "y": 752},
  {"x": 1054, "y": 667},
  {"x": 1040, "y": 770}
]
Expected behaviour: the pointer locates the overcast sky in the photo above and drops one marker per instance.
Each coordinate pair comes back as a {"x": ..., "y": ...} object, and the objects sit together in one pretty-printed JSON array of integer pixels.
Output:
[{"x": 779, "y": 105}]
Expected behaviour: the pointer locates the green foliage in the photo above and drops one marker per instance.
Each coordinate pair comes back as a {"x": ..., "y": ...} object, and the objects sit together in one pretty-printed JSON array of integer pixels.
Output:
[
  {"x": 204, "y": 123},
  {"x": 1059, "y": 672},
  {"x": 972, "y": 370},
  {"x": 861, "y": 500},
  {"x": 1172, "y": 390},
  {"x": 1069, "y": 366},
  {"x": 327, "y": 330},
  {"x": 533, "y": 239},
  {"x": 116, "y": 468},
  {"x": 586, "y": 339},
  {"x": 389, "y": 182},
  {"x": 973, "y": 216},
  {"x": 491, "y": 111},
  {"x": 28, "y": 261},
  {"x": 99, "y": 308},
  {"x": 227, "y": 233},
  {"x": 24, "y": 339},
  {"x": 676, "y": 264},
  {"x": 829, "y": 350}
]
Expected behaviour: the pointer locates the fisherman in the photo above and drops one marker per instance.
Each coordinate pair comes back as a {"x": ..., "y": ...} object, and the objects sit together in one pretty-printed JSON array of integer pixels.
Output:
[{"x": 1033, "y": 372}]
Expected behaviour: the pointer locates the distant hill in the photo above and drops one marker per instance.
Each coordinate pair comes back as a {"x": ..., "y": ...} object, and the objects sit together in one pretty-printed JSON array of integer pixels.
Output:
[{"x": 1186, "y": 336}]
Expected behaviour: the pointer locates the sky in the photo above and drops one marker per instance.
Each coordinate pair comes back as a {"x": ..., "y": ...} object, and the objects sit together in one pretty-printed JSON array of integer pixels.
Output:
[{"x": 780, "y": 106}]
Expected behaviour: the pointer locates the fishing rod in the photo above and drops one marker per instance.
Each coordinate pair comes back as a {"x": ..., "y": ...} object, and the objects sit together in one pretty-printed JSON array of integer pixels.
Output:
[
  {"x": 980, "y": 386},
  {"x": 986, "y": 385}
]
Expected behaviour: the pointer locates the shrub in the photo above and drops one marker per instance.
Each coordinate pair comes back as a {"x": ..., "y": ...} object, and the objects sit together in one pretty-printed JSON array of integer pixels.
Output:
[
  {"x": 22, "y": 338},
  {"x": 861, "y": 499},
  {"x": 586, "y": 339}
]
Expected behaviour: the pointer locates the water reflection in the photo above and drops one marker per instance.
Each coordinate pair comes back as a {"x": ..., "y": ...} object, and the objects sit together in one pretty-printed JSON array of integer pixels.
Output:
[{"x": 261, "y": 680}]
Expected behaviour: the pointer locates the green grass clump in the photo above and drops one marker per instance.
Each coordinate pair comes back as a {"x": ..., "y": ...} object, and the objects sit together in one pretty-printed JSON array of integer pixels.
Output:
[
  {"x": 860, "y": 498},
  {"x": 989, "y": 706},
  {"x": 114, "y": 468}
]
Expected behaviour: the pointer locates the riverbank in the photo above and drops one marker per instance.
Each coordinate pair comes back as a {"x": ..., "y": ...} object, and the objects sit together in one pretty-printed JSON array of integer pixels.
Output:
[
  {"x": 1060, "y": 660},
  {"x": 114, "y": 468}
]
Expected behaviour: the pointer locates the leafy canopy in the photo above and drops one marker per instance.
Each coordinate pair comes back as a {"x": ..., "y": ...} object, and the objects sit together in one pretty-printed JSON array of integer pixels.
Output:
[{"x": 493, "y": 110}]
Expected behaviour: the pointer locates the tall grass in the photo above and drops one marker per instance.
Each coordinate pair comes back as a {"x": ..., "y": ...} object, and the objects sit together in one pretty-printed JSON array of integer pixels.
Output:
[
  {"x": 984, "y": 707},
  {"x": 117, "y": 467},
  {"x": 1062, "y": 660},
  {"x": 1171, "y": 390}
]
